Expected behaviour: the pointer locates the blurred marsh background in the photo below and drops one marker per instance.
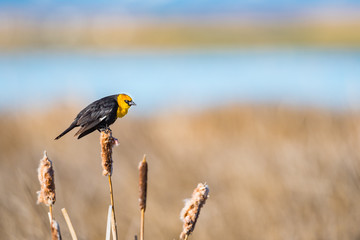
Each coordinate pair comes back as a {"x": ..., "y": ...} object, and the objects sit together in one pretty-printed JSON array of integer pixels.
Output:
[{"x": 260, "y": 99}]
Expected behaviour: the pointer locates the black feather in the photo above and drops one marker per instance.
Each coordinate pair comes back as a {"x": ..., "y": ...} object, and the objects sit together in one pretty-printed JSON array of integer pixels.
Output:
[
  {"x": 73, "y": 124},
  {"x": 84, "y": 133}
]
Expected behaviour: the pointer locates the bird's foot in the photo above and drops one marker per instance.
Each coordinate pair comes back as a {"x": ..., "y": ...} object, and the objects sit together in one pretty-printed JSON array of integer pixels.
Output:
[{"x": 105, "y": 130}]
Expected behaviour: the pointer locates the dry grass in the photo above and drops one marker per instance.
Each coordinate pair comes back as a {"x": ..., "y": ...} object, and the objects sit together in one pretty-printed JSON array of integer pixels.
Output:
[{"x": 274, "y": 172}]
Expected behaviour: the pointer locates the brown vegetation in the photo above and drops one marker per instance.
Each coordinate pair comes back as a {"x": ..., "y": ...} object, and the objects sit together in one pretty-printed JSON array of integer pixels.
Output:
[
  {"x": 274, "y": 172},
  {"x": 167, "y": 33}
]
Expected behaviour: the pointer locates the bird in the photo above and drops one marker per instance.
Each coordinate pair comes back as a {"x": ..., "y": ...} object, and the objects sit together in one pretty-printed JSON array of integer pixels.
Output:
[{"x": 100, "y": 114}]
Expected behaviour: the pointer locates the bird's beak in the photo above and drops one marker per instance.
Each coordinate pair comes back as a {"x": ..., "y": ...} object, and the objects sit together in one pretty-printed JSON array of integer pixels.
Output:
[{"x": 131, "y": 103}]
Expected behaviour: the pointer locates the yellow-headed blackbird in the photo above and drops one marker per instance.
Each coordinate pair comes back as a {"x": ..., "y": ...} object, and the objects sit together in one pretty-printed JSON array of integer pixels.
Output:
[{"x": 100, "y": 114}]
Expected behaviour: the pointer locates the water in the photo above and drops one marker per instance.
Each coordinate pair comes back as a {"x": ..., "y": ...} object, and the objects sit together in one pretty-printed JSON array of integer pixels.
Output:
[{"x": 184, "y": 79}]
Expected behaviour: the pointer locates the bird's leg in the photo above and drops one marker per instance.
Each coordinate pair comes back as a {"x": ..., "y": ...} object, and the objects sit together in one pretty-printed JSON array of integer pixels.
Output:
[
  {"x": 108, "y": 130},
  {"x": 105, "y": 129}
]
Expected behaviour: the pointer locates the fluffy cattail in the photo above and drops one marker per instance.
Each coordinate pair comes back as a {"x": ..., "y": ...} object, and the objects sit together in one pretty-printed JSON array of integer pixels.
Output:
[
  {"x": 46, "y": 194},
  {"x": 55, "y": 230},
  {"x": 107, "y": 141},
  {"x": 190, "y": 213},
  {"x": 143, "y": 170}
]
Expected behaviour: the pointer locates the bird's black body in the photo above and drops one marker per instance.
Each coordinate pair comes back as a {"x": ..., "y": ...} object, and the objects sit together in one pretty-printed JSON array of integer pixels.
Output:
[{"x": 97, "y": 116}]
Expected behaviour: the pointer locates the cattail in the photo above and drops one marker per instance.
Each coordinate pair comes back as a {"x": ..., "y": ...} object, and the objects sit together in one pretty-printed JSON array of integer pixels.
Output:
[
  {"x": 190, "y": 213},
  {"x": 46, "y": 194},
  {"x": 107, "y": 142},
  {"x": 55, "y": 230},
  {"x": 143, "y": 170}
]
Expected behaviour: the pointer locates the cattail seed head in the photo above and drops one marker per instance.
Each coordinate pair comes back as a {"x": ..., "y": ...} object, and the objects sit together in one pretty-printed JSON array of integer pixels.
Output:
[
  {"x": 107, "y": 142},
  {"x": 55, "y": 230},
  {"x": 190, "y": 213},
  {"x": 46, "y": 194},
  {"x": 143, "y": 170}
]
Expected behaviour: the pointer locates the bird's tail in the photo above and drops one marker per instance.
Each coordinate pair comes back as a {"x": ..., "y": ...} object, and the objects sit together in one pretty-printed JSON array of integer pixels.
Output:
[{"x": 67, "y": 130}]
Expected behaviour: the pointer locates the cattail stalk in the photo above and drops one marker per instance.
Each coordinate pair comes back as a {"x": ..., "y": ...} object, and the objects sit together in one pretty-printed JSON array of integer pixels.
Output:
[
  {"x": 51, "y": 212},
  {"x": 190, "y": 213},
  {"x": 46, "y": 194},
  {"x": 108, "y": 223},
  {"x": 107, "y": 142},
  {"x": 143, "y": 170},
  {"x": 69, "y": 224},
  {"x": 114, "y": 227},
  {"x": 55, "y": 230}
]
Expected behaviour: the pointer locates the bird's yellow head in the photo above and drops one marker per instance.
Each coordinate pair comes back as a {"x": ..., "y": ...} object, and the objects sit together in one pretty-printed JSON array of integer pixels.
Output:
[{"x": 124, "y": 102}]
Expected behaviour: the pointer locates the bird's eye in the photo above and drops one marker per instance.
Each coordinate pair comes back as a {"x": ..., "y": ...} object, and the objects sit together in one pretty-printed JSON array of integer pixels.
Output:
[{"x": 127, "y": 101}]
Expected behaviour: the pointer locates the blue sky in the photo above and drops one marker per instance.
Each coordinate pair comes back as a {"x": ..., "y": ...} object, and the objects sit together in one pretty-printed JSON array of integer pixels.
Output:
[{"x": 187, "y": 6}]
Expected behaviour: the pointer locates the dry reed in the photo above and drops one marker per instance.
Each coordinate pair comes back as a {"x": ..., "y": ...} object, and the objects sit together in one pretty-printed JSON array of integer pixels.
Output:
[
  {"x": 143, "y": 170},
  {"x": 69, "y": 224},
  {"x": 190, "y": 213},
  {"x": 55, "y": 230},
  {"x": 108, "y": 223}
]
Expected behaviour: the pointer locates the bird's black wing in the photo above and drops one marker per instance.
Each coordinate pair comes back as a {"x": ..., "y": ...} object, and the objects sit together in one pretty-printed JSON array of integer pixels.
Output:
[{"x": 96, "y": 113}]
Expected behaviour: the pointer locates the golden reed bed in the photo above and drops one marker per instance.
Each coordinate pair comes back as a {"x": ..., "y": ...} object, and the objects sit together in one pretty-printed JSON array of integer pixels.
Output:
[{"x": 275, "y": 173}]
